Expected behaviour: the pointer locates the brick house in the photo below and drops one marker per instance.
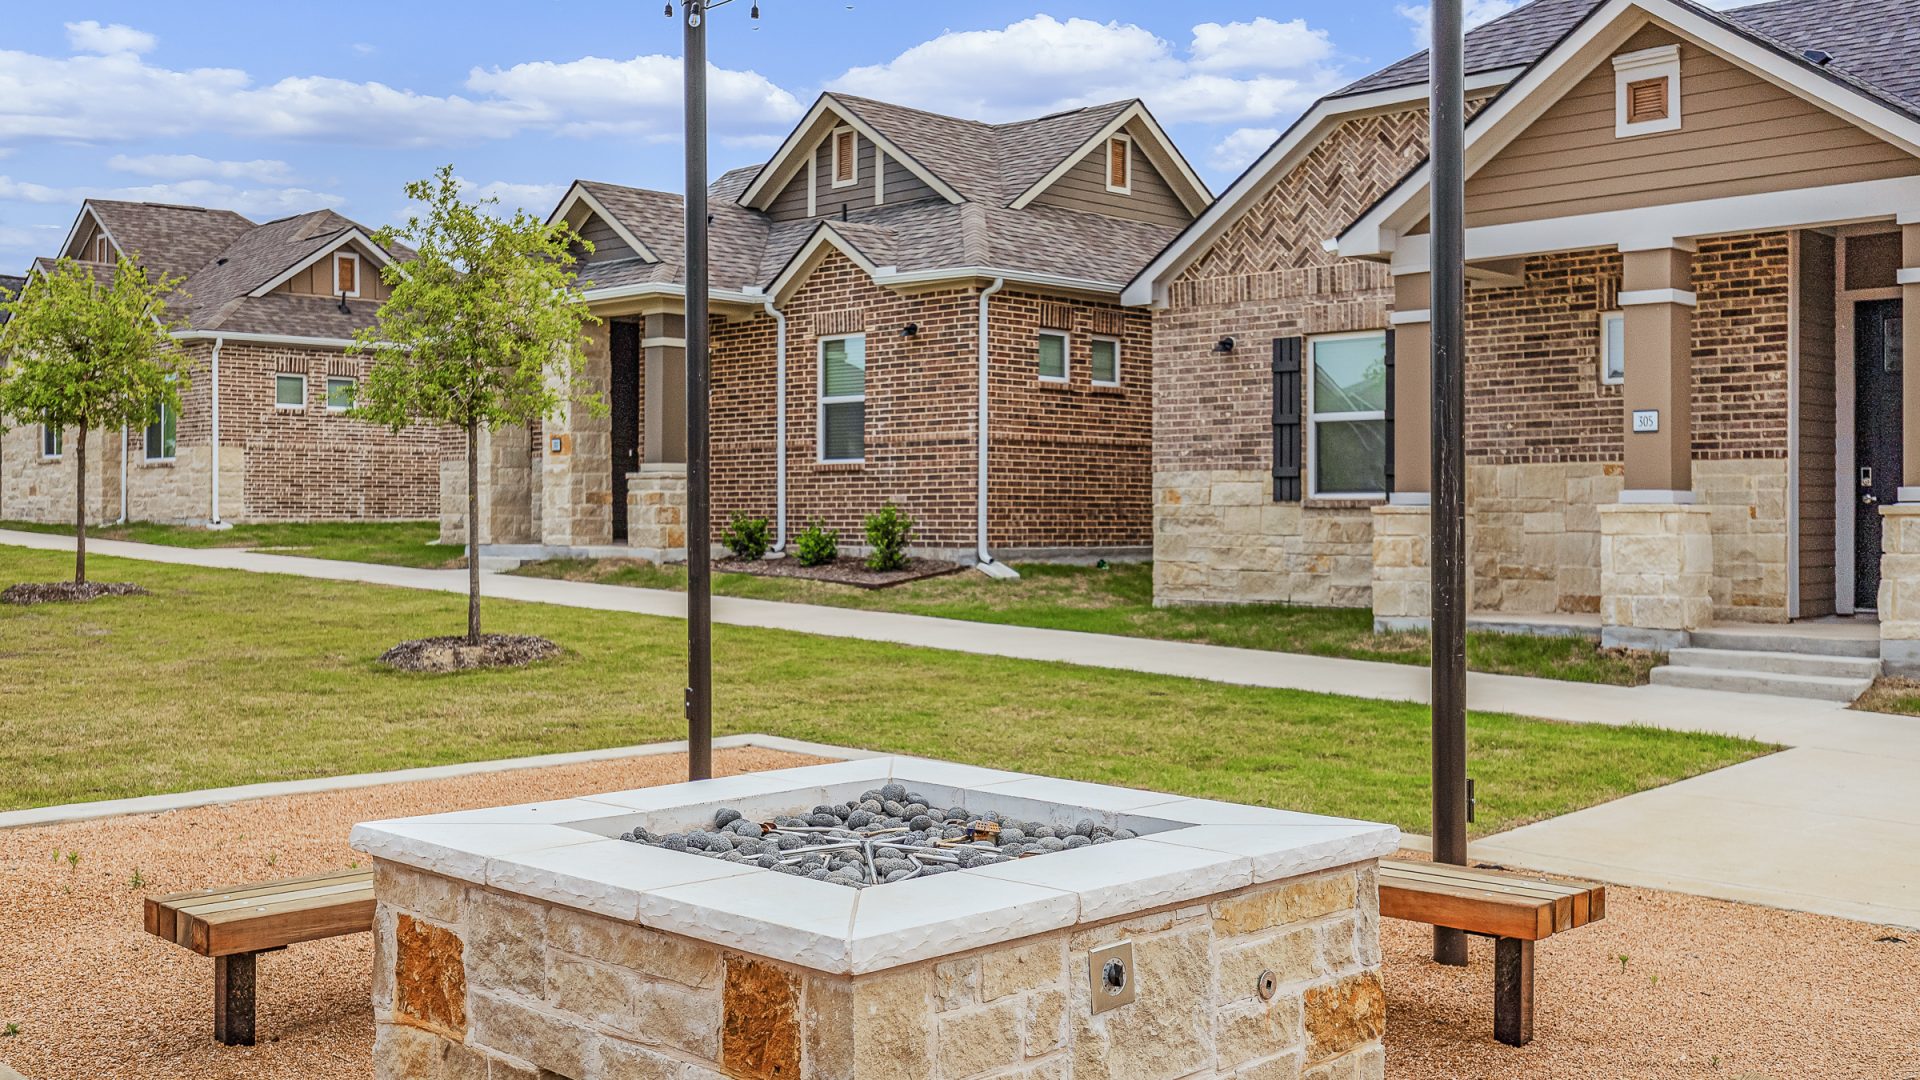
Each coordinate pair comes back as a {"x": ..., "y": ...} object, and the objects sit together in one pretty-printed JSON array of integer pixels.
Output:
[
  {"x": 1691, "y": 239},
  {"x": 888, "y": 275},
  {"x": 260, "y": 435}
]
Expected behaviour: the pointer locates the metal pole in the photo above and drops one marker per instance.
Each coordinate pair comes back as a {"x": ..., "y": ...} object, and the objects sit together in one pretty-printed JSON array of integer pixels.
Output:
[
  {"x": 699, "y": 699},
  {"x": 1449, "y": 458}
]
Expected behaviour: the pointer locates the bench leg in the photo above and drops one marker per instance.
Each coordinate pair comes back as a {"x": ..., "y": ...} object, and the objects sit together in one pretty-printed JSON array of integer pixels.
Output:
[
  {"x": 233, "y": 999},
  {"x": 1513, "y": 991}
]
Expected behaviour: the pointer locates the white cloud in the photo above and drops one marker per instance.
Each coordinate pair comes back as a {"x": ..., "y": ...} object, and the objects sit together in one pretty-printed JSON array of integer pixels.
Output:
[
  {"x": 1042, "y": 64},
  {"x": 641, "y": 96},
  {"x": 1261, "y": 45},
  {"x": 1237, "y": 150},
  {"x": 253, "y": 202},
  {"x": 538, "y": 198},
  {"x": 185, "y": 166},
  {"x": 117, "y": 95},
  {"x": 1475, "y": 13},
  {"x": 91, "y": 37},
  {"x": 364, "y": 48}
]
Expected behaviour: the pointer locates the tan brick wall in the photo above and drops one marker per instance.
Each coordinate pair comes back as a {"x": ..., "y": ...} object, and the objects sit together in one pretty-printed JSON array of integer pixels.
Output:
[
  {"x": 468, "y": 980},
  {"x": 275, "y": 465},
  {"x": 1545, "y": 435}
]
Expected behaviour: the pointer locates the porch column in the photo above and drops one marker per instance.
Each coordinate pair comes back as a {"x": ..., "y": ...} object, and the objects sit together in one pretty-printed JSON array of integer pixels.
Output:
[
  {"x": 1656, "y": 547},
  {"x": 1403, "y": 527},
  {"x": 1900, "y": 523}
]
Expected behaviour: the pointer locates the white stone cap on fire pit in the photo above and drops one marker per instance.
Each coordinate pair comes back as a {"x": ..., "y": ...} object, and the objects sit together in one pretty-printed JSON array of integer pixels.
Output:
[{"x": 568, "y": 852}]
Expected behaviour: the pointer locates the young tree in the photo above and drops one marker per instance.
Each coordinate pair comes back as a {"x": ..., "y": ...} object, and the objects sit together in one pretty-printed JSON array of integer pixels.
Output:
[
  {"x": 87, "y": 353},
  {"x": 485, "y": 328}
]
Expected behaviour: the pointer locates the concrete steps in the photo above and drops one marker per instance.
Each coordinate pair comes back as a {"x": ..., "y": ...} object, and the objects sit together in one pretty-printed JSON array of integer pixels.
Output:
[
  {"x": 1784, "y": 640},
  {"x": 1793, "y": 671}
]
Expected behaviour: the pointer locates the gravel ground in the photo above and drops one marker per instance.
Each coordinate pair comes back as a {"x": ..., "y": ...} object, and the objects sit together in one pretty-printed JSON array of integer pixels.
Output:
[
  {"x": 95, "y": 997},
  {"x": 444, "y": 655},
  {"x": 66, "y": 592},
  {"x": 1708, "y": 989}
]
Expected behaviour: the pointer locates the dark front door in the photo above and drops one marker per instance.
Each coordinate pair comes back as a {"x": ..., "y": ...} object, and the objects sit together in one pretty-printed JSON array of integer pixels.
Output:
[
  {"x": 623, "y": 412},
  {"x": 1876, "y": 437}
]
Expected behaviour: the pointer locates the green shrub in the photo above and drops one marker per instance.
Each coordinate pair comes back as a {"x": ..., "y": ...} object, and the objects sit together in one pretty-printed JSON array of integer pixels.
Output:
[
  {"x": 816, "y": 545},
  {"x": 887, "y": 531},
  {"x": 747, "y": 537}
]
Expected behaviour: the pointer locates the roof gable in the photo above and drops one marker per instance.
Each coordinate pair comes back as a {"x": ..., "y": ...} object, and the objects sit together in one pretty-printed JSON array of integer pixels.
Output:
[
  {"x": 1149, "y": 137},
  {"x": 833, "y": 111},
  {"x": 1606, "y": 31},
  {"x": 585, "y": 201},
  {"x": 169, "y": 239}
]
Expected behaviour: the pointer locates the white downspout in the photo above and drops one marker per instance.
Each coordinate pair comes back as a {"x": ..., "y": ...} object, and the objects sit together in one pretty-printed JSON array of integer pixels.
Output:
[
  {"x": 986, "y": 564},
  {"x": 214, "y": 521},
  {"x": 780, "y": 425},
  {"x": 124, "y": 433}
]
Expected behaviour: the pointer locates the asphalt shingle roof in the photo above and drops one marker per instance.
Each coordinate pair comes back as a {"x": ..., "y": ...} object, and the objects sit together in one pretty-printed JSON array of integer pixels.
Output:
[
  {"x": 1873, "y": 42},
  {"x": 175, "y": 240},
  {"x": 989, "y": 165}
]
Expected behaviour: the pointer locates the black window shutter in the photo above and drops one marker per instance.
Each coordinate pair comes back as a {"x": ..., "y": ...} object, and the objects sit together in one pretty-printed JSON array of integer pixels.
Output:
[
  {"x": 1287, "y": 403},
  {"x": 1390, "y": 487}
]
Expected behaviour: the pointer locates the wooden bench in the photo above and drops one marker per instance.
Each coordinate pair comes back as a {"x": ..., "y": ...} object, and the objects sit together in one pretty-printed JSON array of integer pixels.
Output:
[
  {"x": 235, "y": 925},
  {"x": 1515, "y": 910}
]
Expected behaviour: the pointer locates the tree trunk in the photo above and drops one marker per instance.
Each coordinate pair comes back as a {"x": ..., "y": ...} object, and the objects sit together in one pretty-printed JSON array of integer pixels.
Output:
[
  {"x": 473, "y": 533},
  {"x": 80, "y": 508}
]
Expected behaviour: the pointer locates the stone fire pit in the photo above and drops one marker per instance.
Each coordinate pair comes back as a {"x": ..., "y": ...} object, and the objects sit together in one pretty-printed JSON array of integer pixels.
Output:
[{"x": 1198, "y": 939}]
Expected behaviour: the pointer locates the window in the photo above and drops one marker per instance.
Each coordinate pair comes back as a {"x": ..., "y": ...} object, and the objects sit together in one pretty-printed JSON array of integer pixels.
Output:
[
  {"x": 846, "y": 158},
  {"x": 1120, "y": 165},
  {"x": 289, "y": 391},
  {"x": 339, "y": 395},
  {"x": 1106, "y": 362},
  {"x": 102, "y": 248},
  {"x": 346, "y": 274},
  {"x": 51, "y": 442},
  {"x": 1646, "y": 91},
  {"x": 1613, "y": 347},
  {"x": 1347, "y": 415},
  {"x": 161, "y": 435},
  {"x": 843, "y": 398},
  {"x": 1052, "y": 354}
]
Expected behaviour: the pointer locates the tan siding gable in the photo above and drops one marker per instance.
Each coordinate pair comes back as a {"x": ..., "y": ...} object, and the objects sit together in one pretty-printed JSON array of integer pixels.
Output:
[
  {"x": 1739, "y": 135},
  {"x": 317, "y": 280},
  {"x": 900, "y": 187},
  {"x": 607, "y": 245},
  {"x": 1084, "y": 187}
]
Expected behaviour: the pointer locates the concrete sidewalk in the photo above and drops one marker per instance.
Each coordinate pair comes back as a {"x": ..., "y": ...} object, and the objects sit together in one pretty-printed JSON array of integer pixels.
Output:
[{"x": 1832, "y": 825}]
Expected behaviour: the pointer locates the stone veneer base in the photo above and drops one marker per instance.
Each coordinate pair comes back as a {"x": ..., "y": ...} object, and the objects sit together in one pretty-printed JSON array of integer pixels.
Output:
[{"x": 525, "y": 938}]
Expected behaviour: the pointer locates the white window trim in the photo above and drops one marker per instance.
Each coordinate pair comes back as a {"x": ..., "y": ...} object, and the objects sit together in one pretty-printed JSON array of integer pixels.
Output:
[
  {"x": 333, "y": 267},
  {"x": 331, "y": 379},
  {"x": 277, "y": 376},
  {"x": 1066, "y": 356},
  {"x": 1606, "y": 317},
  {"x": 820, "y": 395},
  {"x": 1116, "y": 359},
  {"x": 102, "y": 248},
  {"x": 1106, "y": 164},
  {"x": 146, "y": 443},
  {"x": 1313, "y": 419},
  {"x": 833, "y": 140},
  {"x": 1630, "y": 68},
  {"x": 59, "y": 443}
]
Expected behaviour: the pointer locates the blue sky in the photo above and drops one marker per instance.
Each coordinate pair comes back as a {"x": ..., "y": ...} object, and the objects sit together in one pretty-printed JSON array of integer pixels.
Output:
[{"x": 276, "y": 109}]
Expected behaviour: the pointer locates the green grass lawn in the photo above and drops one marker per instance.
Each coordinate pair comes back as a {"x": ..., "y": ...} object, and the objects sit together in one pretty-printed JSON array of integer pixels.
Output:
[
  {"x": 1120, "y": 601},
  {"x": 222, "y": 677},
  {"x": 397, "y": 543}
]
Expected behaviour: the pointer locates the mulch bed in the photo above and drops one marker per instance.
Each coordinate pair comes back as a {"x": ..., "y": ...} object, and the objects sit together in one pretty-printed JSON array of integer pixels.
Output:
[
  {"x": 845, "y": 570},
  {"x": 66, "y": 592},
  {"x": 440, "y": 655}
]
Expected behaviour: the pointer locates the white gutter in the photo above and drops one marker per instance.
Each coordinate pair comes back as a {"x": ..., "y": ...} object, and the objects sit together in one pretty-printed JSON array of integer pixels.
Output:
[
  {"x": 213, "y": 520},
  {"x": 780, "y": 425},
  {"x": 987, "y": 565},
  {"x": 262, "y": 339}
]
